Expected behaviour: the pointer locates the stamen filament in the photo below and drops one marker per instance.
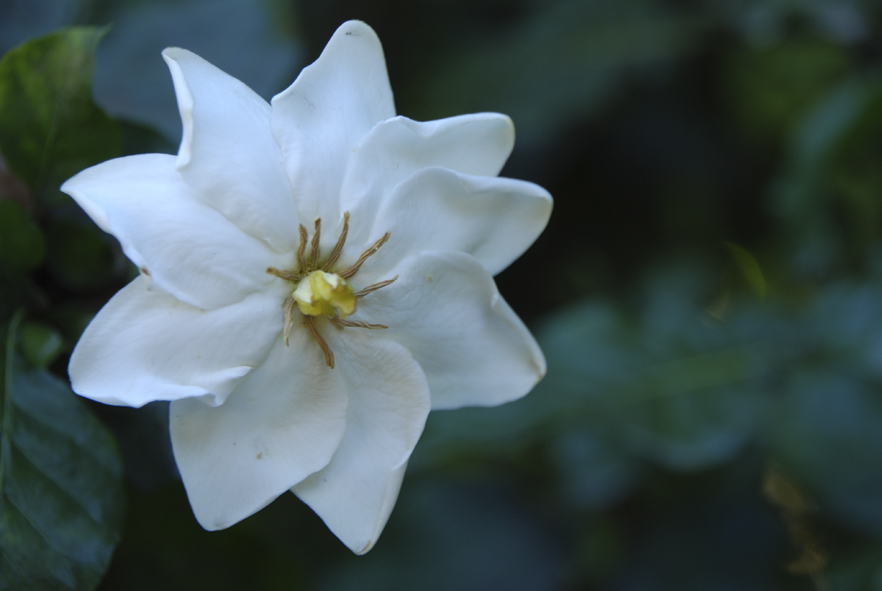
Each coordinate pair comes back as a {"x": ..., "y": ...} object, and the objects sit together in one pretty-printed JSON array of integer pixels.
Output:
[
  {"x": 364, "y": 256},
  {"x": 329, "y": 355},
  {"x": 315, "y": 243},
  {"x": 341, "y": 241},
  {"x": 289, "y": 317},
  {"x": 374, "y": 287},
  {"x": 301, "y": 250},
  {"x": 356, "y": 323}
]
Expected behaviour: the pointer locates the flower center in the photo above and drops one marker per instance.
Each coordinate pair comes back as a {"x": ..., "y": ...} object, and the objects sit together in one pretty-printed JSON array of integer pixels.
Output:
[{"x": 321, "y": 292}]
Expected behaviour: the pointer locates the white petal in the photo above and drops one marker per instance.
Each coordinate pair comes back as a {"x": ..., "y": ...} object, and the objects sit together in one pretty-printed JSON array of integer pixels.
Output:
[
  {"x": 146, "y": 345},
  {"x": 283, "y": 422},
  {"x": 395, "y": 149},
  {"x": 445, "y": 309},
  {"x": 493, "y": 219},
  {"x": 321, "y": 118},
  {"x": 228, "y": 153},
  {"x": 388, "y": 405},
  {"x": 187, "y": 248}
]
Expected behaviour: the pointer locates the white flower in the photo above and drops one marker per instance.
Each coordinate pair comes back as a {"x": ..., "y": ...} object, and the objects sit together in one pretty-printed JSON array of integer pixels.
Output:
[{"x": 315, "y": 277}]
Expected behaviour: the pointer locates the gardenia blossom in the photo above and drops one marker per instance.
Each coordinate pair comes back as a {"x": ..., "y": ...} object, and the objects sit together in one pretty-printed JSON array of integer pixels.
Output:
[{"x": 315, "y": 277}]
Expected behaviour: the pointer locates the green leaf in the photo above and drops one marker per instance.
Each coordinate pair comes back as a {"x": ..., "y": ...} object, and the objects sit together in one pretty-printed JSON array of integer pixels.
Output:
[
  {"x": 50, "y": 128},
  {"x": 61, "y": 497}
]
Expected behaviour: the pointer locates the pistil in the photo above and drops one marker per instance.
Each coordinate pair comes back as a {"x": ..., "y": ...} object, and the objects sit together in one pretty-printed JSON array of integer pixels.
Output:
[{"x": 321, "y": 293}]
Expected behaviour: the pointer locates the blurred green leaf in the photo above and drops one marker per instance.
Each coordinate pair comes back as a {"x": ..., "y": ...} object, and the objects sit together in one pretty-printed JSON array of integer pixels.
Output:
[
  {"x": 594, "y": 473},
  {"x": 81, "y": 257},
  {"x": 749, "y": 267},
  {"x": 668, "y": 384},
  {"x": 71, "y": 319},
  {"x": 860, "y": 570},
  {"x": 724, "y": 538},
  {"x": 244, "y": 38},
  {"x": 827, "y": 435},
  {"x": 770, "y": 88},
  {"x": 41, "y": 344},
  {"x": 473, "y": 537},
  {"x": 844, "y": 323},
  {"x": 563, "y": 64},
  {"x": 22, "y": 247},
  {"x": 827, "y": 193},
  {"x": 50, "y": 128},
  {"x": 61, "y": 496}
]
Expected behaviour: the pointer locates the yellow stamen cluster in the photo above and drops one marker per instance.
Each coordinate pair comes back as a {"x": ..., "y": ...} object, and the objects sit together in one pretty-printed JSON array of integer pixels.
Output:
[{"x": 321, "y": 292}]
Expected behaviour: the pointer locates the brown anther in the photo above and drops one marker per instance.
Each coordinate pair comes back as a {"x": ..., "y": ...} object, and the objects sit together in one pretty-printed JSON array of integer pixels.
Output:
[
  {"x": 374, "y": 287},
  {"x": 329, "y": 355},
  {"x": 341, "y": 241},
  {"x": 286, "y": 275},
  {"x": 364, "y": 256}
]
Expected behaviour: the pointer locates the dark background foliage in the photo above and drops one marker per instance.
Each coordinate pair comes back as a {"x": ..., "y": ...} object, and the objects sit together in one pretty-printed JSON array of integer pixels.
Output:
[{"x": 708, "y": 294}]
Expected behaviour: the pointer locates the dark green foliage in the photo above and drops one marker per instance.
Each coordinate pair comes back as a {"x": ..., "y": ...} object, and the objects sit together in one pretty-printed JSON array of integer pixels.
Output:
[
  {"x": 22, "y": 247},
  {"x": 49, "y": 128},
  {"x": 61, "y": 497},
  {"x": 708, "y": 296}
]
